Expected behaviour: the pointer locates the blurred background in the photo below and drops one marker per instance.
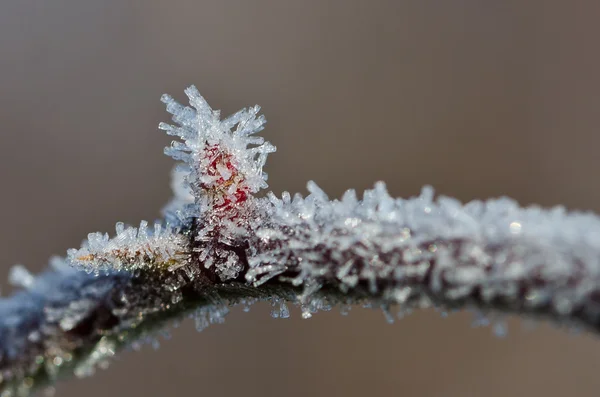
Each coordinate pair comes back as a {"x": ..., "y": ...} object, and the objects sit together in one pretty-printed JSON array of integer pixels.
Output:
[{"x": 478, "y": 98}]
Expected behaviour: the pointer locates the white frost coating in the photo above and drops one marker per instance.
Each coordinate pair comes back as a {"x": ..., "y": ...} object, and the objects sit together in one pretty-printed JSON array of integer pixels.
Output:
[
  {"x": 494, "y": 246},
  {"x": 491, "y": 251},
  {"x": 377, "y": 250},
  {"x": 132, "y": 249}
]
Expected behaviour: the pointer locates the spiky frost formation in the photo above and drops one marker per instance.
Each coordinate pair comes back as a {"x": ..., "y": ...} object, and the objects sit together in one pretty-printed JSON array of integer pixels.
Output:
[
  {"x": 493, "y": 252},
  {"x": 133, "y": 249},
  {"x": 222, "y": 159},
  {"x": 223, "y": 168}
]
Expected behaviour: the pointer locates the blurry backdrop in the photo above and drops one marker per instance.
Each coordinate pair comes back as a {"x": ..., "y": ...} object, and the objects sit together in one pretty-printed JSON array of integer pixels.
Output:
[{"x": 478, "y": 98}]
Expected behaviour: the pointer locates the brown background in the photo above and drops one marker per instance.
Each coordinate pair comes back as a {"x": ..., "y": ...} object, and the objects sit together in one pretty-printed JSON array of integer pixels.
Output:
[{"x": 479, "y": 98}]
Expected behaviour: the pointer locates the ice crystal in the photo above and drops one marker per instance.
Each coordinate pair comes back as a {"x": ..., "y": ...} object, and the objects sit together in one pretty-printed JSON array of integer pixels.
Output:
[
  {"x": 103, "y": 350},
  {"x": 280, "y": 309},
  {"x": 210, "y": 314}
]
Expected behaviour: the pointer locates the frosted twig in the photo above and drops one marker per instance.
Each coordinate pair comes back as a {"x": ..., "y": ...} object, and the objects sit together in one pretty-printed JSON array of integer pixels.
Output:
[{"x": 220, "y": 245}]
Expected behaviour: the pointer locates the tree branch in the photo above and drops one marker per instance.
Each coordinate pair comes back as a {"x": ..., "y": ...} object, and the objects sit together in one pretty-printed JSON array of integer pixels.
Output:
[
  {"x": 78, "y": 321},
  {"x": 220, "y": 245}
]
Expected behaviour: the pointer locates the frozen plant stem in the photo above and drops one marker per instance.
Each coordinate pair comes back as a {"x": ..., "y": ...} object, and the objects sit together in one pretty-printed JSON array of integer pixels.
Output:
[{"x": 220, "y": 245}]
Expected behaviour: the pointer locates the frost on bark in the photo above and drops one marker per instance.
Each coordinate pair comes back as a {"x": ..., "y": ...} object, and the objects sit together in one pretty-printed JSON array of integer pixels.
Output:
[{"x": 220, "y": 244}]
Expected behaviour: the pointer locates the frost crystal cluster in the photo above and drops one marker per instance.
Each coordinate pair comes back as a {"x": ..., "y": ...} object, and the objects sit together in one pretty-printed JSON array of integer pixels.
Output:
[
  {"x": 133, "y": 249},
  {"x": 219, "y": 245},
  {"x": 223, "y": 168}
]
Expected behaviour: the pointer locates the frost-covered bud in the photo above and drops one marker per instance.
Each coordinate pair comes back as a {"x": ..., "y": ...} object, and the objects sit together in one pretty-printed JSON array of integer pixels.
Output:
[
  {"x": 222, "y": 159},
  {"x": 223, "y": 168}
]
